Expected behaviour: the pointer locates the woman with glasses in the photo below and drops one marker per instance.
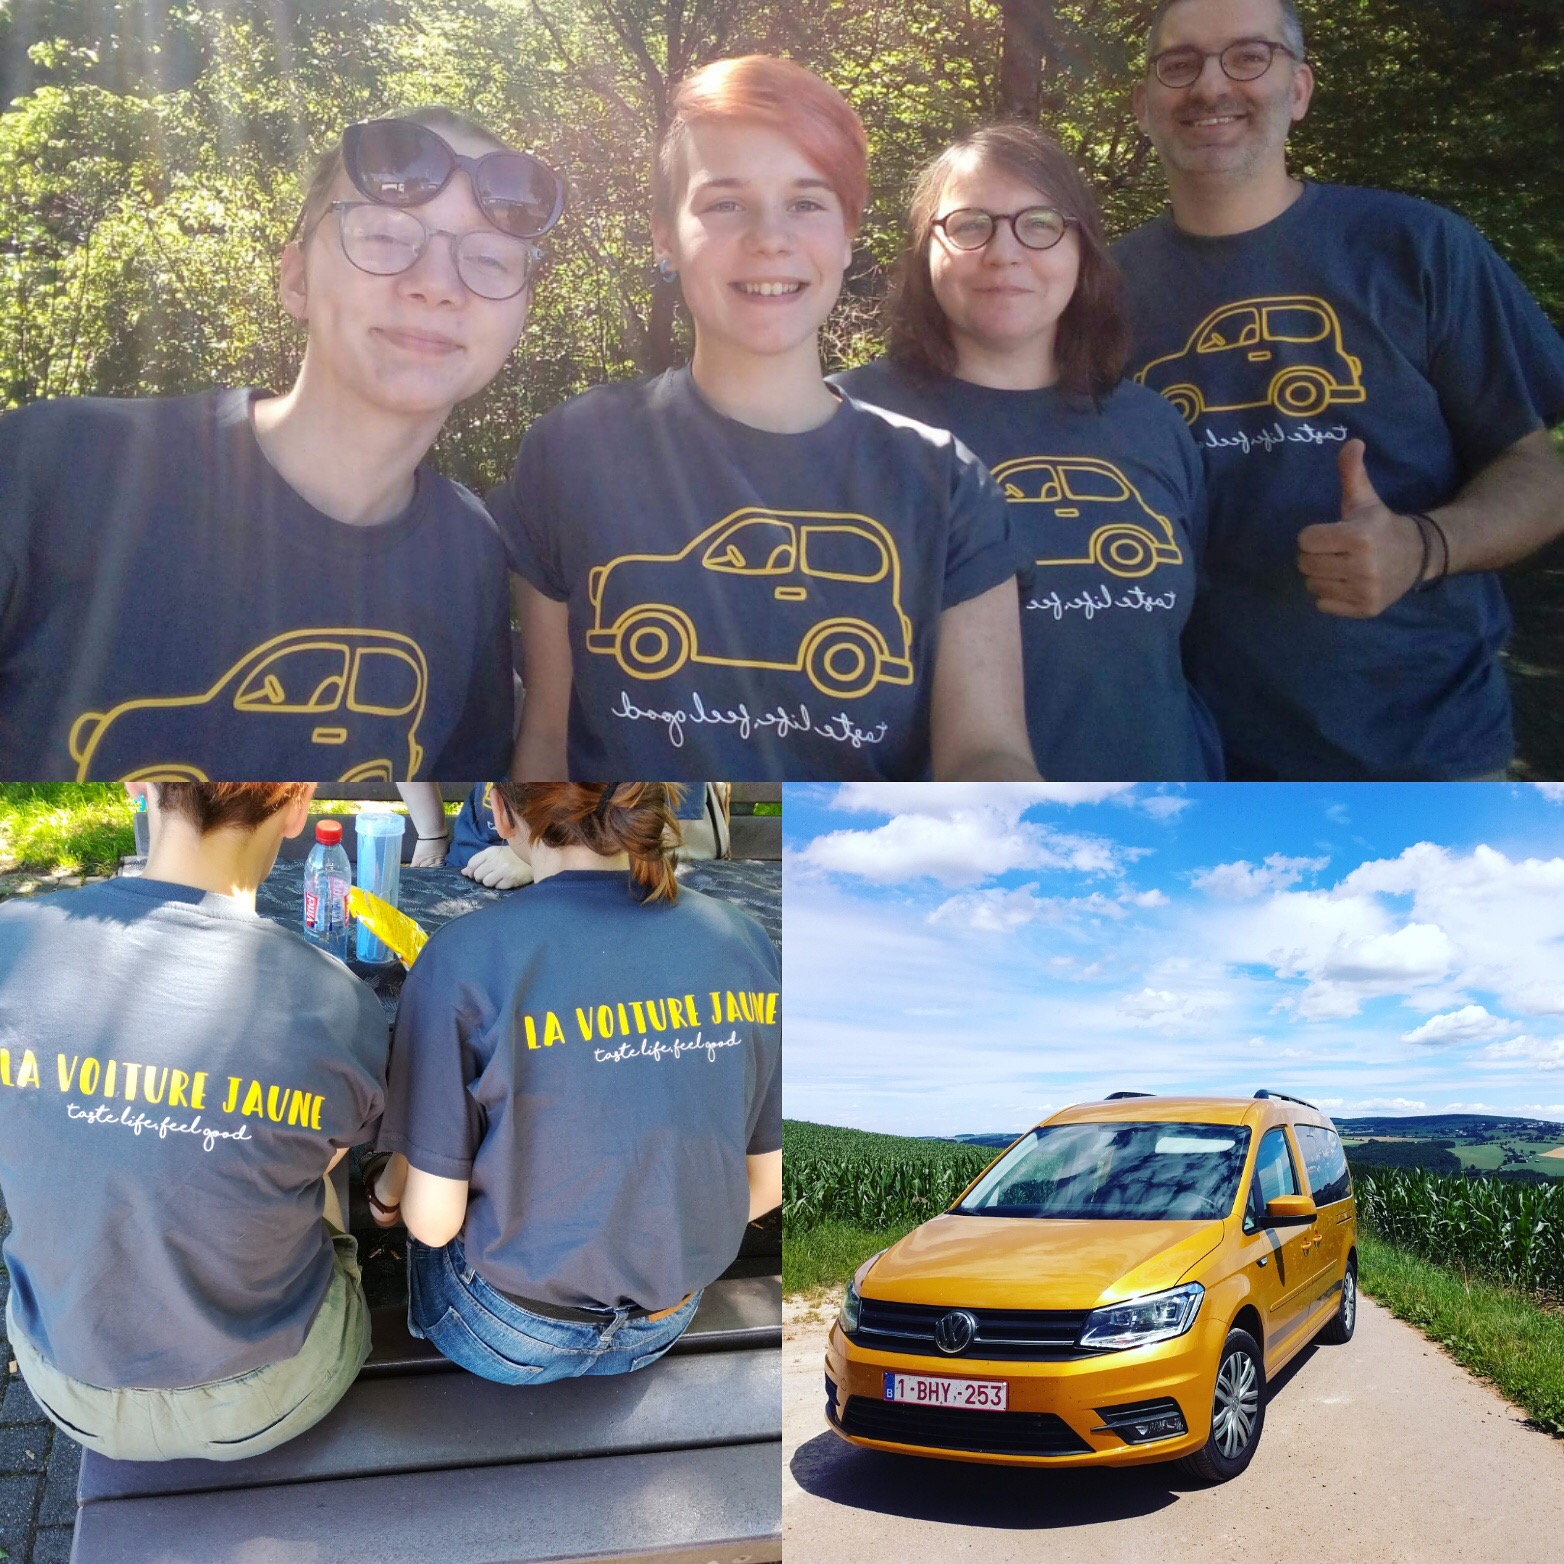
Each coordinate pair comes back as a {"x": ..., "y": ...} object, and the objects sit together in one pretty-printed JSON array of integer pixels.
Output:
[
  {"x": 585, "y": 1103},
  {"x": 1008, "y": 328},
  {"x": 236, "y": 584},
  {"x": 729, "y": 570}
]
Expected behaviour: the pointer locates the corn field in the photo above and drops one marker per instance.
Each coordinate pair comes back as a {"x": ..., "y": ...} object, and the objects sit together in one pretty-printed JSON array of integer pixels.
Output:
[
  {"x": 871, "y": 1181},
  {"x": 1507, "y": 1232}
]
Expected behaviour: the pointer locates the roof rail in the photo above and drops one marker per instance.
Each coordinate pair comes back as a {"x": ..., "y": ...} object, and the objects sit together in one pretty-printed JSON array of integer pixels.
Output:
[
  {"x": 1115, "y": 1096},
  {"x": 1287, "y": 1097}
]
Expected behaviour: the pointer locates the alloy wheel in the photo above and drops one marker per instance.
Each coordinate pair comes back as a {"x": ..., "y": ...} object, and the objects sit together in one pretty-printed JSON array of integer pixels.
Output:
[{"x": 1237, "y": 1403}]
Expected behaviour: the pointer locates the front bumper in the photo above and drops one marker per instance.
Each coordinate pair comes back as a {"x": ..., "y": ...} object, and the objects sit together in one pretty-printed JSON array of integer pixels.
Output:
[{"x": 1075, "y": 1392}]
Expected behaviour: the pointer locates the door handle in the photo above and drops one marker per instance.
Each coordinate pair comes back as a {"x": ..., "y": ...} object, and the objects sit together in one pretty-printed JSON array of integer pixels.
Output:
[
  {"x": 329, "y": 736},
  {"x": 1069, "y": 511},
  {"x": 791, "y": 594},
  {"x": 1260, "y": 358}
]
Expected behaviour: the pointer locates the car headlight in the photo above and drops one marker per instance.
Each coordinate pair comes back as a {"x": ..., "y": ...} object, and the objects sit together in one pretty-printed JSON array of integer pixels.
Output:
[
  {"x": 852, "y": 1307},
  {"x": 1137, "y": 1323}
]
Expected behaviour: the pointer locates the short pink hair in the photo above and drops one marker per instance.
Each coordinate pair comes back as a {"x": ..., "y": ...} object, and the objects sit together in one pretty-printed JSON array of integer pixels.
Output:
[{"x": 758, "y": 89}]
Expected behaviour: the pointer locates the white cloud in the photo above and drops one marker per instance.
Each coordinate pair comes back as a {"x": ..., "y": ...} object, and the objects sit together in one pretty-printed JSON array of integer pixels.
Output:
[
  {"x": 1395, "y": 1105},
  {"x": 1469, "y": 1024},
  {"x": 1162, "y": 1007},
  {"x": 1243, "y": 881},
  {"x": 1339, "y": 814},
  {"x": 1552, "y": 791},
  {"x": 1163, "y": 806},
  {"x": 946, "y": 800},
  {"x": 1539, "y": 1053},
  {"x": 1001, "y": 911}
]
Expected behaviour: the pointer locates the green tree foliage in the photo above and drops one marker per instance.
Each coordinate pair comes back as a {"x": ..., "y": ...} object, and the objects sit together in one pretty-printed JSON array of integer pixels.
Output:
[{"x": 152, "y": 156}]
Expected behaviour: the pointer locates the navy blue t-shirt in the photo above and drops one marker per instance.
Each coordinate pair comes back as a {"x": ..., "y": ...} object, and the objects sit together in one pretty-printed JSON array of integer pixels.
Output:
[
  {"x": 597, "y": 1068},
  {"x": 746, "y": 604},
  {"x": 1109, "y": 499},
  {"x": 1355, "y": 314},
  {"x": 169, "y": 602}
]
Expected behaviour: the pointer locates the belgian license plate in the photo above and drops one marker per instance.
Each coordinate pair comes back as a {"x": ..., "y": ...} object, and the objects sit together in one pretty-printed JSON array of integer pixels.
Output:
[{"x": 987, "y": 1395}]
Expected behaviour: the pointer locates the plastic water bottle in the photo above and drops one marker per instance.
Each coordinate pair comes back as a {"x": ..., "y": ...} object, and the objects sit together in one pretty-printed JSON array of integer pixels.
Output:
[
  {"x": 326, "y": 877},
  {"x": 379, "y": 834}
]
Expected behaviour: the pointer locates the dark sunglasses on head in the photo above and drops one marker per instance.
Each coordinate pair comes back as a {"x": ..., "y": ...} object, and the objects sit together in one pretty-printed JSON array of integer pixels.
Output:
[{"x": 398, "y": 162}]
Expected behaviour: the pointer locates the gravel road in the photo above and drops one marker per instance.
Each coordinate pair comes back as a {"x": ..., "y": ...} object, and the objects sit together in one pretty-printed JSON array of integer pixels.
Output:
[{"x": 1383, "y": 1450}]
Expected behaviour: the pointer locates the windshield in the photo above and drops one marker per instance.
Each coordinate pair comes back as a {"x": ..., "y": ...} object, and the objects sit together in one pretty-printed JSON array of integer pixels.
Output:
[{"x": 1116, "y": 1172}]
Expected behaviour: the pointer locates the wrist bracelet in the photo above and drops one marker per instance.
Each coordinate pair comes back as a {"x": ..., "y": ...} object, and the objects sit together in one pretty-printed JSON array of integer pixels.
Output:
[
  {"x": 444, "y": 836},
  {"x": 1419, "y": 521},
  {"x": 1423, "y": 523}
]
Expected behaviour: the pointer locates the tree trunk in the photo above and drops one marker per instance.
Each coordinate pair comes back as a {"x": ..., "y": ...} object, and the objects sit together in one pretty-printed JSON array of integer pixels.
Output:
[{"x": 1021, "y": 56}]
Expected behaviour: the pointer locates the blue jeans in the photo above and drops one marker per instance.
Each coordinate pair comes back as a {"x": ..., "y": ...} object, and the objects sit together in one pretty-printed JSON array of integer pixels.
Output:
[{"x": 449, "y": 1304}]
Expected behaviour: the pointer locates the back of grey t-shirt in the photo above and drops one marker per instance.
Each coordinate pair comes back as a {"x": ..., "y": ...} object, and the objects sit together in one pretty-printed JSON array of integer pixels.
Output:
[
  {"x": 175, "y": 1075},
  {"x": 597, "y": 1068}
]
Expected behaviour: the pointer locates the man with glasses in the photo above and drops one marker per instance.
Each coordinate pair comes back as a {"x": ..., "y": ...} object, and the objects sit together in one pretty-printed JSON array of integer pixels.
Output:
[
  {"x": 236, "y": 585},
  {"x": 1372, "y": 390}
]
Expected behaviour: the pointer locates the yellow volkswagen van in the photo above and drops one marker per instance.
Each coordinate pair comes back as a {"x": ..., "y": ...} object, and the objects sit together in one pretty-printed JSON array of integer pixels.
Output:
[{"x": 1117, "y": 1288}]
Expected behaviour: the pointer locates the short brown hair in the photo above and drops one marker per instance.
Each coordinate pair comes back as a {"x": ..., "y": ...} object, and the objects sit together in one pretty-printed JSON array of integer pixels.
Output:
[
  {"x": 1291, "y": 23},
  {"x": 758, "y": 89},
  {"x": 235, "y": 806},
  {"x": 1094, "y": 338},
  {"x": 432, "y": 116},
  {"x": 634, "y": 821}
]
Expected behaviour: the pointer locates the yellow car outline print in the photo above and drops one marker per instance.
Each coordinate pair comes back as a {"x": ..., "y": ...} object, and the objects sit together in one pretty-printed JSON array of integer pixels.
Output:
[
  {"x": 330, "y": 683},
  {"x": 852, "y": 632},
  {"x": 1283, "y": 331},
  {"x": 1125, "y": 546}
]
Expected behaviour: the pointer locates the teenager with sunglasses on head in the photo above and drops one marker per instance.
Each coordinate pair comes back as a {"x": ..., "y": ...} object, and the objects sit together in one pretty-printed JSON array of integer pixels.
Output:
[
  {"x": 729, "y": 570},
  {"x": 1008, "y": 328},
  {"x": 236, "y": 584},
  {"x": 585, "y": 1097}
]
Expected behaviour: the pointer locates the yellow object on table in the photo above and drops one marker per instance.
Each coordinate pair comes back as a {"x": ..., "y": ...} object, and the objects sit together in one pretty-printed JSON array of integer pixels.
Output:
[{"x": 394, "y": 928}]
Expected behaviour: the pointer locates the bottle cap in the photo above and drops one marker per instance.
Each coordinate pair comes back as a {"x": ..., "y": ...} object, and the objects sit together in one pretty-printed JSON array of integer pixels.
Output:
[{"x": 329, "y": 832}]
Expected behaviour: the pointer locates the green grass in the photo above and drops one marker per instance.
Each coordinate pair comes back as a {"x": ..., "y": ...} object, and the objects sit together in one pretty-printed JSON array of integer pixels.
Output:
[
  {"x": 826, "y": 1254},
  {"x": 768, "y": 809},
  {"x": 66, "y": 827},
  {"x": 1509, "y": 1338}
]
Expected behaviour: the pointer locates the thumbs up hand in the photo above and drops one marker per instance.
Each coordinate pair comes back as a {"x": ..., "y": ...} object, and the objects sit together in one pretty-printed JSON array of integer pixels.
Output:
[{"x": 1358, "y": 566}]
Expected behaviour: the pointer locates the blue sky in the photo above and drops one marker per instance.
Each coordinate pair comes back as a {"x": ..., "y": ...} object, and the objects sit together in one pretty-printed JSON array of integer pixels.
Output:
[{"x": 965, "y": 957}]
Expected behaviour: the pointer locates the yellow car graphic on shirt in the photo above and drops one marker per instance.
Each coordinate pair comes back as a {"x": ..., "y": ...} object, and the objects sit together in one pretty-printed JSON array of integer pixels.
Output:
[
  {"x": 815, "y": 591},
  {"x": 356, "y": 696},
  {"x": 1098, "y": 515},
  {"x": 1284, "y": 352}
]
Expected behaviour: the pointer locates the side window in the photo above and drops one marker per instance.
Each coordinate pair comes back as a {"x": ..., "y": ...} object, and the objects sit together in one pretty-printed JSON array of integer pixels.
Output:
[
  {"x": 753, "y": 548},
  {"x": 1274, "y": 1173},
  {"x": 1326, "y": 1162},
  {"x": 1088, "y": 483},
  {"x": 843, "y": 554},
  {"x": 1039, "y": 484},
  {"x": 386, "y": 681},
  {"x": 1296, "y": 323},
  {"x": 303, "y": 678},
  {"x": 1241, "y": 329}
]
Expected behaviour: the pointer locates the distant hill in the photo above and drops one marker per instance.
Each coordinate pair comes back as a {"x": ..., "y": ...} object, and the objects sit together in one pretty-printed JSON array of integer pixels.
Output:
[
  {"x": 1457, "y": 1126},
  {"x": 997, "y": 1139}
]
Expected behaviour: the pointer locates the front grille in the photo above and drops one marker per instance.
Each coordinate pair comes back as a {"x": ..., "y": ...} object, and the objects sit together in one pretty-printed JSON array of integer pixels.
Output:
[
  {"x": 942, "y": 1428},
  {"x": 1121, "y": 1420},
  {"x": 1034, "y": 1335}
]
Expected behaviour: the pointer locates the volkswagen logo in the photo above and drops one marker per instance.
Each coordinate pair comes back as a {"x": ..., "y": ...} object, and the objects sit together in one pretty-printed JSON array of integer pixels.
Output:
[{"x": 953, "y": 1332}]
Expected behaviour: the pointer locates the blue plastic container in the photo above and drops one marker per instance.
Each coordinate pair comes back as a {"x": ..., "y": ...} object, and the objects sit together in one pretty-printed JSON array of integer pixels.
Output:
[{"x": 379, "y": 835}]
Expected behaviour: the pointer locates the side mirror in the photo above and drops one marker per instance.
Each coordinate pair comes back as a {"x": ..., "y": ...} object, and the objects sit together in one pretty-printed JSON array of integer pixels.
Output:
[{"x": 1290, "y": 1211}]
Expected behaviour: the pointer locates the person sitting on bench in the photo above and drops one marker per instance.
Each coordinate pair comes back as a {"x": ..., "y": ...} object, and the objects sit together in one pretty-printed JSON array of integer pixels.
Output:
[
  {"x": 177, "y": 1076},
  {"x": 585, "y": 1097}
]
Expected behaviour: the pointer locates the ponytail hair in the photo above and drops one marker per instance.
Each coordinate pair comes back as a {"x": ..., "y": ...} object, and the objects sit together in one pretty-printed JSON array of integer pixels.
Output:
[{"x": 609, "y": 818}]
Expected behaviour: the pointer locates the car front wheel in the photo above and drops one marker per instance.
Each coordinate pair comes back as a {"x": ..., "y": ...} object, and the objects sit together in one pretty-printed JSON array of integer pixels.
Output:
[
  {"x": 1237, "y": 1412},
  {"x": 1344, "y": 1321}
]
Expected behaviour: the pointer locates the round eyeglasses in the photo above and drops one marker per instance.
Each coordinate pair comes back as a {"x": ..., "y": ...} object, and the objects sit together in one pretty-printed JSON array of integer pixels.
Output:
[
  {"x": 1035, "y": 227},
  {"x": 1247, "y": 60},
  {"x": 388, "y": 240}
]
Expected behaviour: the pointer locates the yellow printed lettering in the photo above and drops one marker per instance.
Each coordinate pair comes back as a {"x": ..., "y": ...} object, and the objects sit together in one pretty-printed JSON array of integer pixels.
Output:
[
  {"x": 298, "y": 1107},
  {"x": 690, "y": 1010},
  {"x": 252, "y": 1101},
  {"x": 90, "y": 1074},
  {"x": 733, "y": 1007},
  {"x": 315, "y": 1113},
  {"x": 640, "y": 1015},
  {"x": 675, "y": 1012},
  {"x": 157, "y": 1078},
  {"x": 532, "y": 1032},
  {"x": 624, "y": 1020},
  {"x": 5, "y": 1066},
  {"x": 66, "y": 1076},
  {"x": 132, "y": 1071},
  {"x": 28, "y": 1074},
  {"x": 233, "y": 1094},
  {"x": 276, "y": 1103},
  {"x": 109, "y": 1077},
  {"x": 178, "y": 1086},
  {"x": 656, "y": 1016},
  {"x": 716, "y": 1008},
  {"x": 197, "y": 1091},
  {"x": 584, "y": 1021},
  {"x": 553, "y": 1032},
  {"x": 605, "y": 1021},
  {"x": 771, "y": 1008}
]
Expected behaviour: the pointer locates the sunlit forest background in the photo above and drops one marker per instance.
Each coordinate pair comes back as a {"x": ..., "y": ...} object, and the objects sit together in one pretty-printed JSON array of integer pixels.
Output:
[{"x": 152, "y": 152}]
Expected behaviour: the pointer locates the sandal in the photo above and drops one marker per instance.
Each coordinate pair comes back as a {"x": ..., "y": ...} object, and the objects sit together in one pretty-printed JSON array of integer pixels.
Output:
[{"x": 369, "y": 1170}]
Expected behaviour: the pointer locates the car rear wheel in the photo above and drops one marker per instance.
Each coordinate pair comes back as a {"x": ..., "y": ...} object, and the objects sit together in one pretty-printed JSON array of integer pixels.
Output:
[
  {"x": 1123, "y": 551},
  {"x": 653, "y": 644},
  {"x": 1303, "y": 393},
  {"x": 1344, "y": 1321},
  {"x": 843, "y": 662},
  {"x": 1237, "y": 1412}
]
